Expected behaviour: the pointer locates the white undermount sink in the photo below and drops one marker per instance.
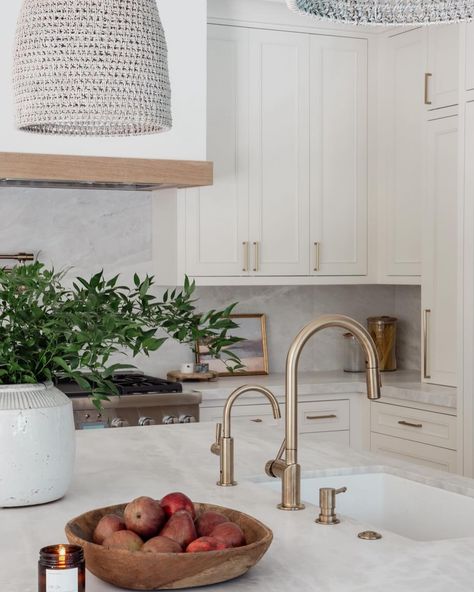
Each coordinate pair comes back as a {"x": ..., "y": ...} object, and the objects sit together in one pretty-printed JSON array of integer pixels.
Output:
[{"x": 382, "y": 501}]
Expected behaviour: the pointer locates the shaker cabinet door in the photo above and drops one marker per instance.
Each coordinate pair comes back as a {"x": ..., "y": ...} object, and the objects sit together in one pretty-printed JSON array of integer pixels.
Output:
[
  {"x": 440, "y": 255},
  {"x": 442, "y": 83},
  {"x": 402, "y": 154},
  {"x": 217, "y": 216},
  {"x": 338, "y": 153},
  {"x": 279, "y": 153}
]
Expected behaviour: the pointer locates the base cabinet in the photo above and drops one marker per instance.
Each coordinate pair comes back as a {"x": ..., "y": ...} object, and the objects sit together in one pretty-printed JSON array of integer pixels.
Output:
[
  {"x": 323, "y": 420},
  {"x": 416, "y": 435},
  {"x": 440, "y": 459}
]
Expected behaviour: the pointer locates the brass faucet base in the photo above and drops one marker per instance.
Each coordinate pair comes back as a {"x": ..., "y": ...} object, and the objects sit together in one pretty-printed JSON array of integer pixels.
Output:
[
  {"x": 292, "y": 509},
  {"x": 328, "y": 522},
  {"x": 233, "y": 484}
]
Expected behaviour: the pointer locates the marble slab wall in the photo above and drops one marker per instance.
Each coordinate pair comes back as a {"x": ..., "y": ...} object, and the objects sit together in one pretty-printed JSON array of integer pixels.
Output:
[{"x": 90, "y": 230}]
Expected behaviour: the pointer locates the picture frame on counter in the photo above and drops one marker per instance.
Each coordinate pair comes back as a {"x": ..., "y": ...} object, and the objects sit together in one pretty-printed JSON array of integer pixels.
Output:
[{"x": 252, "y": 350}]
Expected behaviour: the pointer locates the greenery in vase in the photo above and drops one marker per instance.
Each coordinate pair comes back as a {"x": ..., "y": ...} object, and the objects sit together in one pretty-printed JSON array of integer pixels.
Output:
[{"x": 49, "y": 330}]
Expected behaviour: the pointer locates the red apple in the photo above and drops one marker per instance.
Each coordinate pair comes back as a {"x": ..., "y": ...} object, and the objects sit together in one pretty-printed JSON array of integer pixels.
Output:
[
  {"x": 106, "y": 526},
  {"x": 229, "y": 533},
  {"x": 180, "y": 527},
  {"x": 207, "y": 521},
  {"x": 161, "y": 544},
  {"x": 144, "y": 516},
  {"x": 123, "y": 539},
  {"x": 173, "y": 502},
  {"x": 204, "y": 544}
]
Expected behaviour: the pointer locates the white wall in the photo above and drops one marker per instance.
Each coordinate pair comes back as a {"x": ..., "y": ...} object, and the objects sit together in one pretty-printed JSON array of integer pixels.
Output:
[{"x": 184, "y": 22}]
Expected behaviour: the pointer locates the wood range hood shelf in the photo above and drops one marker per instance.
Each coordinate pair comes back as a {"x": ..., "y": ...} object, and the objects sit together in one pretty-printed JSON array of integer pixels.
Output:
[{"x": 91, "y": 172}]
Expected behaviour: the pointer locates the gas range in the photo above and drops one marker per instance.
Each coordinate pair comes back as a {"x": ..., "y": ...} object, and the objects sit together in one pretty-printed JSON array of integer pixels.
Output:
[{"x": 143, "y": 401}]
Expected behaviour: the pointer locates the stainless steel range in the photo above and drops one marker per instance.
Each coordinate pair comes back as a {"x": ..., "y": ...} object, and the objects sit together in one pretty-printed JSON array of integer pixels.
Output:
[{"x": 143, "y": 401}]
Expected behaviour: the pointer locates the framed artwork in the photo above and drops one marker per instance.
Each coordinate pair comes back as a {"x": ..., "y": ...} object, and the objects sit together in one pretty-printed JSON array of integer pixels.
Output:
[{"x": 252, "y": 350}]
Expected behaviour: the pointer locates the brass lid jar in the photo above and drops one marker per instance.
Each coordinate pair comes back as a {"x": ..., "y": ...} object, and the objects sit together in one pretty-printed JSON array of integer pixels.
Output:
[{"x": 383, "y": 331}]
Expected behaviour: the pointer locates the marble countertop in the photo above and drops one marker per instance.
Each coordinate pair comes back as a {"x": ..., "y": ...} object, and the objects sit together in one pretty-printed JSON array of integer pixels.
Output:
[
  {"x": 403, "y": 385},
  {"x": 114, "y": 466}
]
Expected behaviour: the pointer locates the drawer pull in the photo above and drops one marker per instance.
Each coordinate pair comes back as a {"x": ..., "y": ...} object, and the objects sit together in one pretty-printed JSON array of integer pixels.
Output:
[
  {"x": 258, "y": 420},
  {"x": 332, "y": 416},
  {"x": 410, "y": 425}
]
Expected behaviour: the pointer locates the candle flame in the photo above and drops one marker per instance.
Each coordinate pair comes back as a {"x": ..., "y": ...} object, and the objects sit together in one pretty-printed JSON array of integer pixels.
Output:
[{"x": 62, "y": 555}]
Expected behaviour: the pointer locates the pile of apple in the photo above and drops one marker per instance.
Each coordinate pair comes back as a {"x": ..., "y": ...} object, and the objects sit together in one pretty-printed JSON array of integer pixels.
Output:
[{"x": 167, "y": 526}]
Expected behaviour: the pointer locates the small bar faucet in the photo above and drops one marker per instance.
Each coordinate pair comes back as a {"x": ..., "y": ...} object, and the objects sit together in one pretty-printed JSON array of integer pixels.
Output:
[
  {"x": 224, "y": 444},
  {"x": 287, "y": 468}
]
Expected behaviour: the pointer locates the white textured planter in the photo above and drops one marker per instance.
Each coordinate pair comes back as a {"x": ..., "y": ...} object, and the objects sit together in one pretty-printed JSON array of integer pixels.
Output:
[{"x": 37, "y": 444}]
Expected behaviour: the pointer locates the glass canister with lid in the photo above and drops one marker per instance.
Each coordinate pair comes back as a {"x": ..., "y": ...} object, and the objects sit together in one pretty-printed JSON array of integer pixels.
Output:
[{"x": 383, "y": 331}]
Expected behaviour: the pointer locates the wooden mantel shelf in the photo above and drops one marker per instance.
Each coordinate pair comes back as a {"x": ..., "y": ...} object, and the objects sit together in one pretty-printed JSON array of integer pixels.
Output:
[{"x": 48, "y": 170}]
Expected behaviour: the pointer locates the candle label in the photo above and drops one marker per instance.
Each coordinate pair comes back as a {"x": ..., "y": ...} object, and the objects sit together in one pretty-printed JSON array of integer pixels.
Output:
[{"x": 62, "y": 580}]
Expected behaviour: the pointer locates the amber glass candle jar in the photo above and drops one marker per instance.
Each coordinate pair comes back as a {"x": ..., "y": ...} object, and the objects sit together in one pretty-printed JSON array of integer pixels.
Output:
[{"x": 61, "y": 568}]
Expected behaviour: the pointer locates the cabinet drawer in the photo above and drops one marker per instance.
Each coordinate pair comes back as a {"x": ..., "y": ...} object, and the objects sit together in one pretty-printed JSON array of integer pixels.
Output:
[
  {"x": 440, "y": 459},
  {"x": 342, "y": 438},
  {"x": 412, "y": 424},
  {"x": 256, "y": 413},
  {"x": 323, "y": 416}
]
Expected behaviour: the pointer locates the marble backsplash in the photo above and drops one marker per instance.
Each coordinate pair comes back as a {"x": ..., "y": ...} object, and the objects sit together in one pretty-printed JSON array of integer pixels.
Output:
[{"x": 90, "y": 230}]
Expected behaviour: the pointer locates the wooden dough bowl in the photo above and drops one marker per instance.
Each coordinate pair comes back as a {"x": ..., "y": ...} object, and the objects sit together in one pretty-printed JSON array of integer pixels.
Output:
[{"x": 169, "y": 571}]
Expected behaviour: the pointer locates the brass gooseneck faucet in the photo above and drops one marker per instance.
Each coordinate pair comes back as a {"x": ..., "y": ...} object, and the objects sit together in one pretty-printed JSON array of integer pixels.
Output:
[
  {"x": 287, "y": 468},
  {"x": 224, "y": 444}
]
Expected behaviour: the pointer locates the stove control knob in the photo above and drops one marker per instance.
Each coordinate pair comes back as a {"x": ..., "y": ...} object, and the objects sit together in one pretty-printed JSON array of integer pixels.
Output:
[
  {"x": 170, "y": 419},
  {"x": 146, "y": 421},
  {"x": 118, "y": 422},
  {"x": 187, "y": 419}
]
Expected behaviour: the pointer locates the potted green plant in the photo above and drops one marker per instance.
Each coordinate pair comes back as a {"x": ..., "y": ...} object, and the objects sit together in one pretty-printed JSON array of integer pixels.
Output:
[{"x": 48, "y": 329}]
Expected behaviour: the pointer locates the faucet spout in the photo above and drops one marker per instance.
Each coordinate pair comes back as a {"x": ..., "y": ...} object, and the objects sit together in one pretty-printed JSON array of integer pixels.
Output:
[
  {"x": 288, "y": 469},
  {"x": 224, "y": 444}
]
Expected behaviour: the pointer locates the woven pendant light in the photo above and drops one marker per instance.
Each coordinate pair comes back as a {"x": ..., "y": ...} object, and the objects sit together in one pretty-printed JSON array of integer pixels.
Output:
[
  {"x": 91, "y": 67},
  {"x": 387, "y": 12}
]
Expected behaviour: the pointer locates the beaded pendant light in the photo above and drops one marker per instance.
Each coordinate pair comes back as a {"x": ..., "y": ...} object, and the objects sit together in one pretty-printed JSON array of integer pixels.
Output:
[
  {"x": 91, "y": 67},
  {"x": 387, "y": 12}
]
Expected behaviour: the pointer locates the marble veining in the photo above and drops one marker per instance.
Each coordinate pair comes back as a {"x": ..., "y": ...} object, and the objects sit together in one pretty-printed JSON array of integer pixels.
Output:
[{"x": 304, "y": 555}]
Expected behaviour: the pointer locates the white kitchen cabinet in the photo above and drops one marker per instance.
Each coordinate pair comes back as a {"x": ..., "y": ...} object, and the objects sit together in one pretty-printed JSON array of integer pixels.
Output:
[
  {"x": 442, "y": 77},
  {"x": 278, "y": 153},
  {"x": 469, "y": 57},
  {"x": 402, "y": 154},
  {"x": 286, "y": 111},
  {"x": 440, "y": 459},
  {"x": 216, "y": 226},
  {"x": 440, "y": 253},
  {"x": 325, "y": 420},
  {"x": 417, "y": 435},
  {"x": 338, "y": 123}
]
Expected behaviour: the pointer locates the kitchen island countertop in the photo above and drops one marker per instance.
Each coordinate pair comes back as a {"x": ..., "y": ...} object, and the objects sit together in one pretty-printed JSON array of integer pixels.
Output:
[{"x": 114, "y": 466}]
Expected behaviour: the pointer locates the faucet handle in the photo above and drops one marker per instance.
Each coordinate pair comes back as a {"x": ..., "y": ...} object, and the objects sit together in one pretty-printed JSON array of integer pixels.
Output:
[{"x": 216, "y": 447}]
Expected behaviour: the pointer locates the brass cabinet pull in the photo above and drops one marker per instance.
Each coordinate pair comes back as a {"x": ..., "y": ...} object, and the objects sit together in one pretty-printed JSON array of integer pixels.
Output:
[
  {"x": 410, "y": 425},
  {"x": 256, "y": 252},
  {"x": 428, "y": 76},
  {"x": 257, "y": 420},
  {"x": 317, "y": 256},
  {"x": 245, "y": 266},
  {"x": 426, "y": 314},
  {"x": 331, "y": 416}
]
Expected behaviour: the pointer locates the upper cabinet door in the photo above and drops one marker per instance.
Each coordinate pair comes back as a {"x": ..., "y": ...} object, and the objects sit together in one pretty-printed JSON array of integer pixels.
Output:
[
  {"x": 440, "y": 254},
  {"x": 402, "y": 153},
  {"x": 338, "y": 125},
  {"x": 442, "y": 80},
  {"x": 470, "y": 56},
  {"x": 217, "y": 216},
  {"x": 279, "y": 159}
]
